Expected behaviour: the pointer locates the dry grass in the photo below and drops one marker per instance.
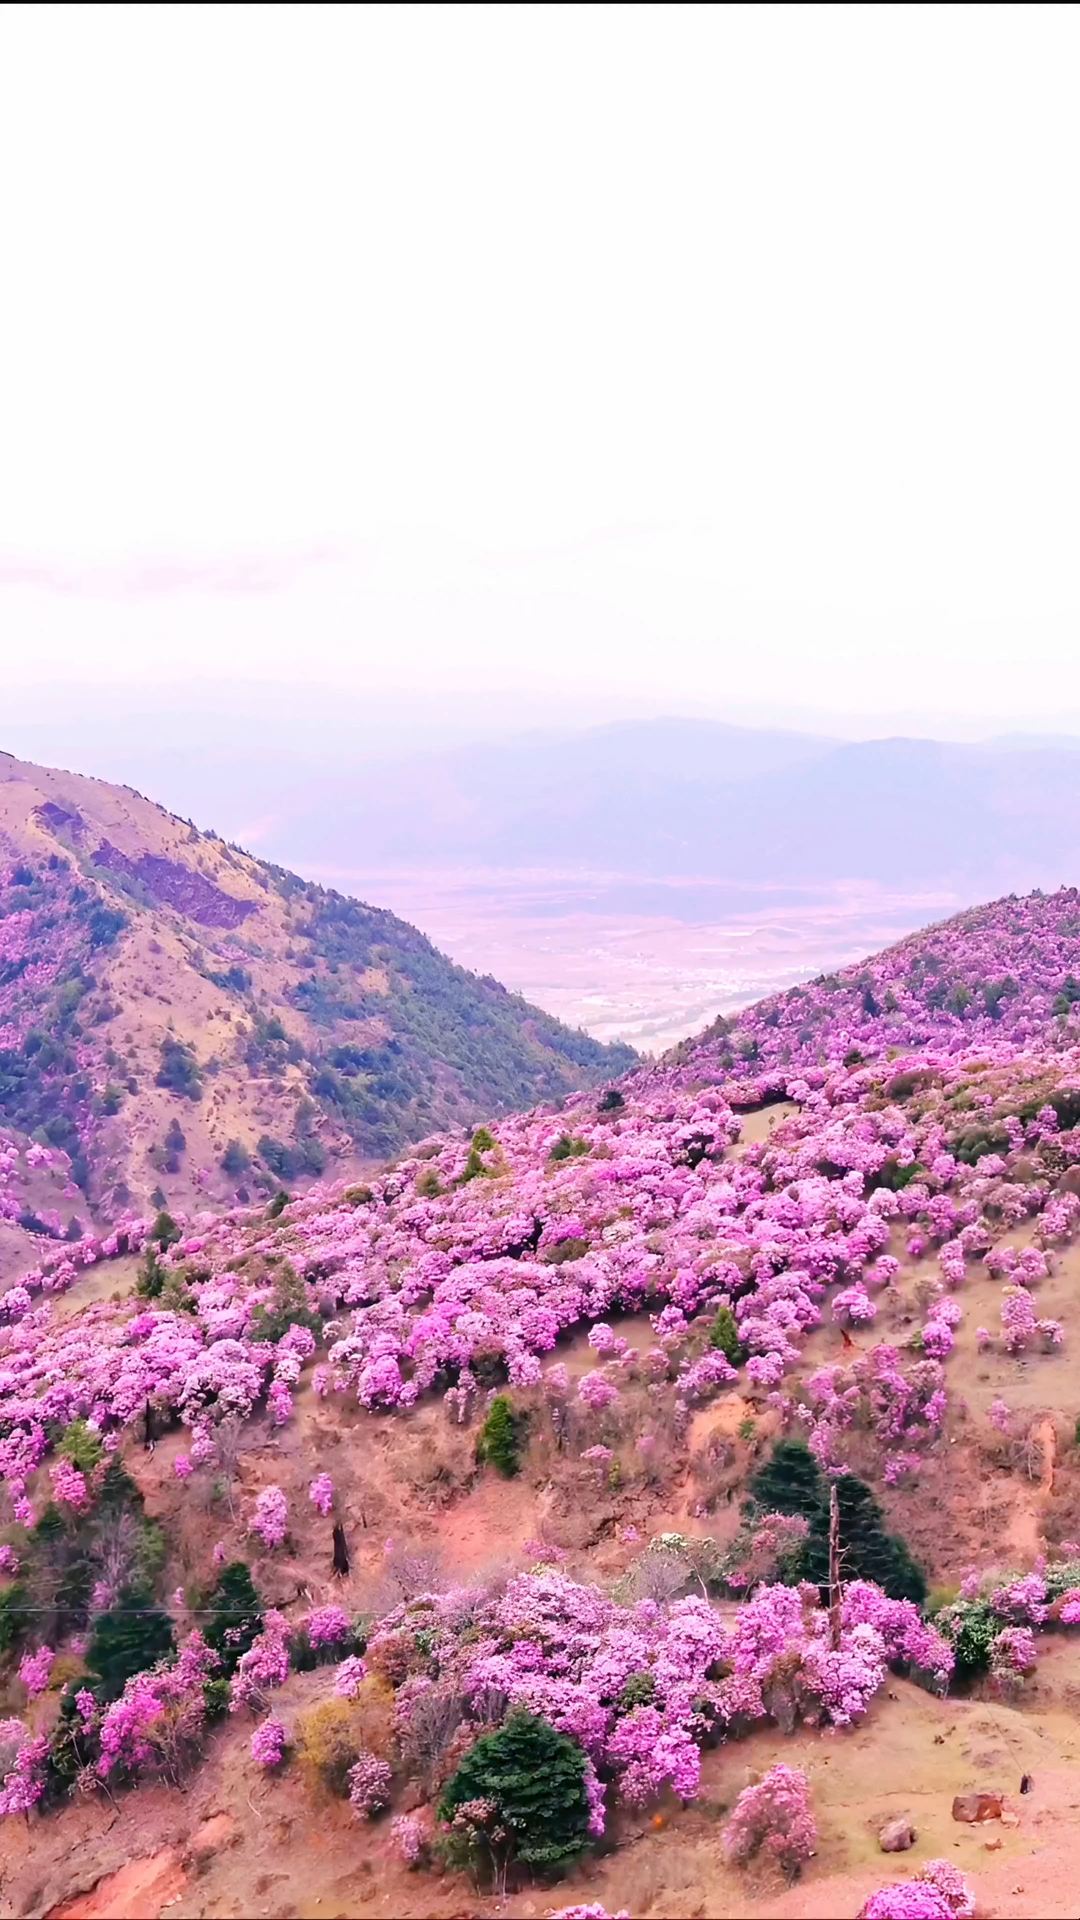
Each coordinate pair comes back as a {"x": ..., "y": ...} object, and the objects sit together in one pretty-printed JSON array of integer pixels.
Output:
[{"x": 330, "y": 1736}]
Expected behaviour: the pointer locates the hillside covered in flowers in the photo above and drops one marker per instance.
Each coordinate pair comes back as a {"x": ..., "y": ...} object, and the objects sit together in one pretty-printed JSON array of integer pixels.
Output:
[
  {"x": 692, "y": 1414},
  {"x": 181, "y": 1023}
]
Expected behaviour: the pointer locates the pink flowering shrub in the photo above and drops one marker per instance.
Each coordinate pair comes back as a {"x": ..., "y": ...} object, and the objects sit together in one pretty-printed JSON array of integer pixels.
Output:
[
  {"x": 268, "y": 1743},
  {"x": 938, "y": 1891},
  {"x": 321, "y": 1494},
  {"x": 1022, "y": 1601},
  {"x": 909, "y": 1641},
  {"x": 369, "y": 1785},
  {"x": 596, "y": 1391},
  {"x": 271, "y": 1517},
  {"x": 1013, "y": 1655},
  {"x": 767, "y": 1548},
  {"x": 22, "y": 1767},
  {"x": 69, "y": 1488},
  {"x": 157, "y": 1724},
  {"x": 853, "y": 1307},
  {"x": 327, "y": 1626},
  {"x": 348, "y": 1677},
  {"x": 264, "y": 1666},
  {"x": 34, "y": 1670},
  {"x": 591, "y": 1910},
  {"x": 412, "y": 1838},
  {"x": 773, "y": 1817}
]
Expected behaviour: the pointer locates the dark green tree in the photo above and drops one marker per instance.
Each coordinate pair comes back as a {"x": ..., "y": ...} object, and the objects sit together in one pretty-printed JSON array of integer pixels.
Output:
[
  {"x": 535, "y": 1779},
  {"x": 868, "y": 1551},
  {"x": 724, "y": 1337},
  {"x": 133, "y": 1634},
  {"x": 234, "y": 1616},
  {"x": 498, "y": 1443},
  {"x": 287, "y": 1307},
  {"x": 569, "y": 1146},
  {"x": 789, "y": 1482},
  {"x": 179, "y": 1070},
  {"x": 15, "y": 1615},
  {"x": 165, "y": 1232},
  {"x": 236, "y": 1159},
  {"x": 792, "y": 1482},
  {"x": 151, "y": 1276}
]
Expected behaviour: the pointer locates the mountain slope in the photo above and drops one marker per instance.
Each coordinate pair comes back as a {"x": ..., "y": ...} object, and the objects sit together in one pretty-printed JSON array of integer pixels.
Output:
[
  {"x": 168, "y": 1003},
  {"x": 849, "y": 1220}
]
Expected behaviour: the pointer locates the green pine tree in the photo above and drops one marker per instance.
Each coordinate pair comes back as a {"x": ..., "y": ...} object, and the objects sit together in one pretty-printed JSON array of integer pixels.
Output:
[
  {"x": 535, "y": 1778},
  {"x": 165, "y": 1231},
  {"x": 790, "y": 1482},
  {"x": 234, "y": 1615},
  {"x": 133, "y": 1634},
  {"x": 499, "y": 1442},
  {"x": 724, "y": 1337},
  {"x": 868, "y": 1550}
]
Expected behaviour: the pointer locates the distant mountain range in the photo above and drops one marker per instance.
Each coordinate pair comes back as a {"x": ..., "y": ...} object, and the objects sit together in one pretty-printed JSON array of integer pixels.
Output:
[
  {"x": 336, "y": 786},
  {"x": 182, "y": 1023},
  {"x": 681, "y": 798}
]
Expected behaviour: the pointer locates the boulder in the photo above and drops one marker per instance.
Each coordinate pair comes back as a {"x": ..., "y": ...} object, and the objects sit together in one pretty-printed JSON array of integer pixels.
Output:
[
  {"x": 975, "y": 1807},
  {"x": 896, "y": 1836}
]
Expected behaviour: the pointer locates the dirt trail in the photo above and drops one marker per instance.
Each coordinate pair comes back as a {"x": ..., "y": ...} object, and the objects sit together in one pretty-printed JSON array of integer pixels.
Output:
[
  {"x": 1025, "y": 1528},
  {"x": 98, "y": 1283}
]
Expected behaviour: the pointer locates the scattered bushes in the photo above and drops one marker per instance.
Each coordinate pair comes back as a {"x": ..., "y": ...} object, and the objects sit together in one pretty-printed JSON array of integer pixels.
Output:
[
  {"x": 236, "y": 1160},
  {"x": 179, "y": 1071},
  {"x": 306, "y": 1156}
]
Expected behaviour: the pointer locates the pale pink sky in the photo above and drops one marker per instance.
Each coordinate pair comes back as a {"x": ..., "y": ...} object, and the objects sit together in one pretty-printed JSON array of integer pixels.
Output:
[{"x": 618, "y": 358}]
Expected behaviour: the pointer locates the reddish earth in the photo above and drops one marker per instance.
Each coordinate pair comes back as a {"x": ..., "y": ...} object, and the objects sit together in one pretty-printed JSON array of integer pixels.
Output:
[
  {"x": 142, "y": 1887},
  {"x": 236, "y": 1843},
  {"x": 279, "y": 1856}
]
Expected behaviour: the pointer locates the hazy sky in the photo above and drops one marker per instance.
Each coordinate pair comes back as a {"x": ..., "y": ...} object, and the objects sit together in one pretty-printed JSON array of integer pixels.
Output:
[{"x": 592, "y": 359}]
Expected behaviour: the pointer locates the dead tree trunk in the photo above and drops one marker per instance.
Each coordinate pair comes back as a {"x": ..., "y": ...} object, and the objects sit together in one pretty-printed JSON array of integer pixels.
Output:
[
  {"x": 835, "y": 1588},
  {"x": 341, "y": 1551}
]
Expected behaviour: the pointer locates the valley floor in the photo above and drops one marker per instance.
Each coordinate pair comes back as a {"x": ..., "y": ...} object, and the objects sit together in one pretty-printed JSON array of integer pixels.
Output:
[{"x": 647, "y": 962}]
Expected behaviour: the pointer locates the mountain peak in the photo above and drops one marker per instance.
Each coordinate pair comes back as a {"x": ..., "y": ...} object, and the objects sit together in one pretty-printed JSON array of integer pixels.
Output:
[{"x": 182, "y": 1022}]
